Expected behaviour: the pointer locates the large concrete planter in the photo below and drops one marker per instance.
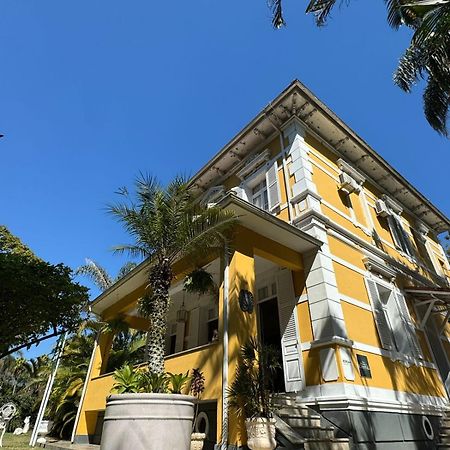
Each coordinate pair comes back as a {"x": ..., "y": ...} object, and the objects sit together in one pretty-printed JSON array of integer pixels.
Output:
[
  {"x": 260, "y": 433},
  {"x": 148, "y": 422}
]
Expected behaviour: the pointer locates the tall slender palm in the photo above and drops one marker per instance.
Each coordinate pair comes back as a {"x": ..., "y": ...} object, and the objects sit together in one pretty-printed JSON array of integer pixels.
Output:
[
  {"x": 99, "y": 275},
  {"x": 427, "y": 57},
  {"x": 167, "y": 224}
]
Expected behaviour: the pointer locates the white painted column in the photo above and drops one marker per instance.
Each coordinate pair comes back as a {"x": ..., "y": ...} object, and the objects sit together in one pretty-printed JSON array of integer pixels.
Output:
[{"x": 323, "y": 297}]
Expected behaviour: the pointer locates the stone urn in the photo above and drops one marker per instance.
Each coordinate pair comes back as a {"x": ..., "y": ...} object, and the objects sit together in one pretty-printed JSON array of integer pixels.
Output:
[
  {"x": 260, "y": 433},
  {"x": 197, "y": 440},
  {"x": 148, "y": 422}
]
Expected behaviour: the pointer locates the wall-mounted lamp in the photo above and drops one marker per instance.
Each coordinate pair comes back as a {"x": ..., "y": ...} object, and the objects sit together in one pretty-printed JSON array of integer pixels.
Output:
[{"x": 182, "y": 314}]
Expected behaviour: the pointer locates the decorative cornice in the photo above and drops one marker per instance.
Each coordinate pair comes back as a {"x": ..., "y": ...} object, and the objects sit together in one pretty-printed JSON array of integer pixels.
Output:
[
  {"x": 254, "y": 164},
  {"x": 349, "y": 170},
  {"x": 393, "y": 205},
  {"x": 334, "y": 340},
  {"x": 299, "y": 197},
  {"x": 377, "y": 265}
]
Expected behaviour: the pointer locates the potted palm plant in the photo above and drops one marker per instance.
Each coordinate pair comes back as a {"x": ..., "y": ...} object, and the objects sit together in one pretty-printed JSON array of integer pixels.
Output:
[
  {"x": 249, "y": 393},
  {"x": 166, "y": 224}
]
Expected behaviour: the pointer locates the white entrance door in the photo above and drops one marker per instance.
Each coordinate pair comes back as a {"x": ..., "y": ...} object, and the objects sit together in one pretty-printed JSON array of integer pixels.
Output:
[{"x": 292, "y": 357}]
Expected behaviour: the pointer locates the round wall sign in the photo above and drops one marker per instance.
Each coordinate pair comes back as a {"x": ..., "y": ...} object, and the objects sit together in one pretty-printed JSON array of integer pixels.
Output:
[{"x": 246, "y": 301}]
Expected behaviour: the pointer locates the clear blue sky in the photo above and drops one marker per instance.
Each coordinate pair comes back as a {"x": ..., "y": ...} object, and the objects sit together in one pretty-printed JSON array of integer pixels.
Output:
[{"x": 92, "y": 92}]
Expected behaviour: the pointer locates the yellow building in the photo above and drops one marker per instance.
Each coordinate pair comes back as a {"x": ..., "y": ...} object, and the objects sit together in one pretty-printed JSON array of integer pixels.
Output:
[{"x": 348, "y": 278}]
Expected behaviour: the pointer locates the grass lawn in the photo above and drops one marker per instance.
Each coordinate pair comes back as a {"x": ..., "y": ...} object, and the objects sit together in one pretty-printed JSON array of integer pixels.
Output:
[{"x": 16, "y": 442}]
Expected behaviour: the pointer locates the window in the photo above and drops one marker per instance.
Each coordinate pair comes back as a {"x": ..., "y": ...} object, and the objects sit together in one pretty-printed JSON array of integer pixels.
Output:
[
  {"x": 213, "y": 330},
  {"x": 261, "y": 188},
  {"x": 260, "y": 197},
  {"x": 172, "y": 344},
  {"x": 171, "y": 339},
  {"x": 393, "y": 321},
  {"x": 400, "y": 236},
  {"x": 212, "y": 325}
]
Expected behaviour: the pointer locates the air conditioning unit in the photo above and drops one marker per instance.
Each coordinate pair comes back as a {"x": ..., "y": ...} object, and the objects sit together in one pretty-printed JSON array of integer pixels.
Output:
[
  {"x": 381, "y": 208},
  {"x": 347, "y": 183}
]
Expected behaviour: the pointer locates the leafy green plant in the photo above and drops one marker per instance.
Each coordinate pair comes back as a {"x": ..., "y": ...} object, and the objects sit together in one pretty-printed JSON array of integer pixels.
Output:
[
  {"x": 152, "y": 382},
  {"x": 178, "y": 381},
  {"x": 200, "y": 282},
  {"x": 127, "y": 380},
  {"x": 249, "y": 393}
]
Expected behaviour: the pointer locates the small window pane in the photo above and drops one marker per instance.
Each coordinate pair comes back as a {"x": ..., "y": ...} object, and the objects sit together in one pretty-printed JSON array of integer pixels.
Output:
[{"x": 263, "y": 293}]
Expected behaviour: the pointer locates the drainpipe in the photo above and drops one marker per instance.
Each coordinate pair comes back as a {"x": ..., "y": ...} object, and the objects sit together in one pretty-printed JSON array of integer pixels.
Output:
[
  {"x": 224, "y": 438},
  {"x": 83, "y": 393},
  {"x": 284, "y": 155}
]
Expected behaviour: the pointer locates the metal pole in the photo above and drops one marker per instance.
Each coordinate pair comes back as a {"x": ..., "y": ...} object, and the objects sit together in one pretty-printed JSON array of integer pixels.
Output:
[
  {"x": 48, "y": 390},
  {"x": 224, "y": 437},
  {"x": 83, "y": 393}
]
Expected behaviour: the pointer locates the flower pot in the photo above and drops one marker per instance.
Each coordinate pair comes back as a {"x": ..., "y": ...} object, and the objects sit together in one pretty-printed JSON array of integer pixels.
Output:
[
  {"x": 260, "y": 433},
  {"x": 148, "y": 422},
  {"x": 197, "y": 440}
]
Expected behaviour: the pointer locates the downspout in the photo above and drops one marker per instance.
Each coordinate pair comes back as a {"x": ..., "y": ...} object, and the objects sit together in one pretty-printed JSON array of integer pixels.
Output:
[
  {"x": 224, "y": 438},
  {"x": 83, "y": 393},
  {"x": 284, "y": 156}
]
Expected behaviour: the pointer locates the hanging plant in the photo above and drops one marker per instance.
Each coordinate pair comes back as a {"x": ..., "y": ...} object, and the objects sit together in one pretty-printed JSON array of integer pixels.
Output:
[{"x": 200, "y": 282}]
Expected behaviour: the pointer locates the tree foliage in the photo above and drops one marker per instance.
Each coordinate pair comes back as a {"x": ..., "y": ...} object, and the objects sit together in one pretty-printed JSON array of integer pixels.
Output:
[
  {"x": 23, "y": 381},
  {"x": 426, "y": 58},
  {"x": 38, "y": 299}
]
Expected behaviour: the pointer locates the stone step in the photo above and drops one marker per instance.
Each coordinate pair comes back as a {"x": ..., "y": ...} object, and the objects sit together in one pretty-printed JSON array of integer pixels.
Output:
[
  {"x": 327, "y": 444},
  {"x": 296, "y": 421},
  {"x": 296, "y": 411},
  {"x": 287, "y": 401},
  {"x": 315, "y": 432},
  {"x": 445, "y": 429},
  {"x": 444, "y": 439}
]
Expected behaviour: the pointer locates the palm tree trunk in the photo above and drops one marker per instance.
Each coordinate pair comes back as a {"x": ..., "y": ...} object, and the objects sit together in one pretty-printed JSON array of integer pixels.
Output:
[{"x": 160, "y": 278}]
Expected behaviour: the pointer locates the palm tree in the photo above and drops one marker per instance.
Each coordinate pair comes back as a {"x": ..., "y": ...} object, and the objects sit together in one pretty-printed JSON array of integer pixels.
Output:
[
  {"x": 427, "y": 57},
  {"x": 99, "y": 275},
  {"x": 167, "y": 224}
]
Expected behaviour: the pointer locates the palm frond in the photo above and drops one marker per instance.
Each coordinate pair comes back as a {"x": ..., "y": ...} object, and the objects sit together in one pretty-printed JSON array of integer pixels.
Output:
[
  {"x": 126, "y": 269},
  {"x": 276, "y": 8},
  {"x": 98, "y": 275},
  {"x": 321, "y": 10},
  {"x": 436, "y": 105}
]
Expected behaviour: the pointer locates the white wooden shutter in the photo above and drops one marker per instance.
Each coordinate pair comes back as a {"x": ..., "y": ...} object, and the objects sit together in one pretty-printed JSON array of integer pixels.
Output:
[
  {"x": 381, "y": 321},
  {"x": 408, "y": 243},
  {"x": 273, "y": 189},
  {"x": 179, "y": 345},
  {"x": 408, "y": 326},
  {"x": 194, "y": 324},
  {"x": 292, "y": 357},
  {"x": 395, "y": 232}
]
